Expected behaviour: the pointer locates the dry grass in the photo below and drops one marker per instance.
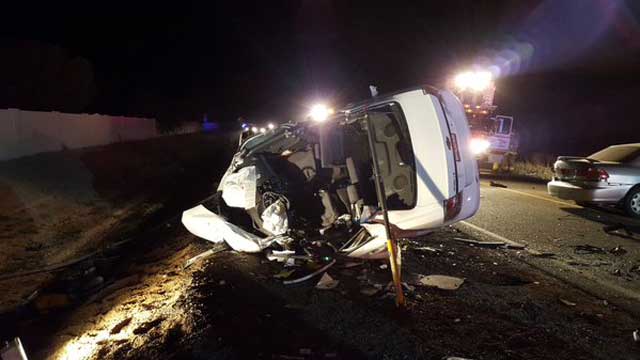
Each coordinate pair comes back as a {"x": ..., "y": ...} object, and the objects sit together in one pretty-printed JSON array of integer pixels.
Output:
[{"x": 527, "y": 168}]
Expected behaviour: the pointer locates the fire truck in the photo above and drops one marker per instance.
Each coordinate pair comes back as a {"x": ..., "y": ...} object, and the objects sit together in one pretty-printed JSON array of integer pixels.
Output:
[{"x": 494, "y": 140}]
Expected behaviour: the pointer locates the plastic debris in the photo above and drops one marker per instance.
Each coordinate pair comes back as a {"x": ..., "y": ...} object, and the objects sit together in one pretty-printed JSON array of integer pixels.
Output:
[
  {"x": 443, "y": 282},
  {"x": 274, "y": 218},
  {"x": 326, "y": 282},
  {"x": 567, "y": 302},
  {"x": 239, "y": 188},
  {"x": 210, "y": 226}
]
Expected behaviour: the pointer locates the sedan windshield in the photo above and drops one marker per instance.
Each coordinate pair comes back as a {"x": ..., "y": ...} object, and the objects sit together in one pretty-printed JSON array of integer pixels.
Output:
[{"x": 622, "y": 154}]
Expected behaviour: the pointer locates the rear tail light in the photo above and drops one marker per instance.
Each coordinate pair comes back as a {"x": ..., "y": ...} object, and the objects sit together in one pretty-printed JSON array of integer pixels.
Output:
[
  {"x": 452, "y": 206},
  {"x": 593, "y": 174}
]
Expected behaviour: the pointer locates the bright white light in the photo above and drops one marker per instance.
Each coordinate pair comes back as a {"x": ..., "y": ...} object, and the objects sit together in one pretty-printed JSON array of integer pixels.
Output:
[
  {"x": 254, "y": 129},
  {"x": 474, "y": 80},
  {"x": 263, "y": 130},
  {"x": 479, "y": 146},
  {"x": 320, "y": 112},
  {"x": 271, "y": 126}
]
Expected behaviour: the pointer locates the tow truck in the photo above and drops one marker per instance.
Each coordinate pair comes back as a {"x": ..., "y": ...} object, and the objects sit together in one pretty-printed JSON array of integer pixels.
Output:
[{"x": 494, "y": 141}]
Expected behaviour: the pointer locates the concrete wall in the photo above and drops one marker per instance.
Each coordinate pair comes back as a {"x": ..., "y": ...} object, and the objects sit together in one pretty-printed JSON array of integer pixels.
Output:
[{"x": 25, "y": 133}]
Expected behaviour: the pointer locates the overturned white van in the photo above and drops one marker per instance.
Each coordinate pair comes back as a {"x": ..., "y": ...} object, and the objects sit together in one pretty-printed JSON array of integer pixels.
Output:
[{"x": 308, "y": 175}]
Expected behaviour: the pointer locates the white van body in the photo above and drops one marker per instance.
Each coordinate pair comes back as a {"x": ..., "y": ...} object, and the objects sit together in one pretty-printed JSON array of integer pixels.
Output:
[{"x": 446, "y": 180}]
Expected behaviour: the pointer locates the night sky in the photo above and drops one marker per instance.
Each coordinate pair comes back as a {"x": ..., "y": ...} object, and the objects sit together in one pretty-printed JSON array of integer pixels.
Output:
[{"x": 569, "y": 70}]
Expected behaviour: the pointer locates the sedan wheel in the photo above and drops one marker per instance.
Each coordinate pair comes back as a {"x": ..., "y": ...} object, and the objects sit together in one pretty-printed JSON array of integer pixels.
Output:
[{"x": 632, "y": 203}]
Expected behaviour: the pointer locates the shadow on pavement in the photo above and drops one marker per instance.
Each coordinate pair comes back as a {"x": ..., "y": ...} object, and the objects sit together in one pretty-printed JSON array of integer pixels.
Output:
[{"x": 613, "y": 222}]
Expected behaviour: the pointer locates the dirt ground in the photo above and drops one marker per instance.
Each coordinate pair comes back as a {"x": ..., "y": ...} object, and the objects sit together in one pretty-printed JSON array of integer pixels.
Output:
[
  {"x": 56, "y": 207},
  {"x": 230, "y": 306}
]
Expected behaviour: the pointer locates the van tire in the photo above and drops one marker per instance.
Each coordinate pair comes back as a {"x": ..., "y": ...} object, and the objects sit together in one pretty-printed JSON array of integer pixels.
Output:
[{"x": 632, "y": 202}]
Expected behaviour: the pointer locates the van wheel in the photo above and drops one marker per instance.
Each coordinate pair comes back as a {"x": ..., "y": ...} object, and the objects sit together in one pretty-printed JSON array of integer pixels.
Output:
[{"x": 632, "y": 202}]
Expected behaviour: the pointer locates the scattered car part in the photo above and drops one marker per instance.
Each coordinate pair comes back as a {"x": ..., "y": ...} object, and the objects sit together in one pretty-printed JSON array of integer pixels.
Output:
[
  {"x": 207, "y": 225},
  {"x": 567, "y": 302},
  {"x": 443, "y": 282},
  {"x": 309, "y": 276},
  {"x": 326, "y": 282},
  {"x": 204, "y": 255}
]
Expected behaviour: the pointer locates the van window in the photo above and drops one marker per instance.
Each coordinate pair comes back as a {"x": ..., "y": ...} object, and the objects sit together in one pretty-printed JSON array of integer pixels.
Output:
[{"x": 395, "y": 155}]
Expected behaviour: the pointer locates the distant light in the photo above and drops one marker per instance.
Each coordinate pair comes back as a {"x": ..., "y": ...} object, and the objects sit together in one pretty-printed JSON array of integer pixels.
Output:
[
  {"x": 479, "y": 146},
  {"x": 320, "y": 112},
  {"x": 254, "y": 129},
  {"x": 263, "y": 130},
  {"x": 473, "y": 80},
  {"x": 271, "y": 126}
]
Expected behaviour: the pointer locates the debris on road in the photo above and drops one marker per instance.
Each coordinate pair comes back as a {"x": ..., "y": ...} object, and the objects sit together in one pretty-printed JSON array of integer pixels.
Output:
[
  {"x": 427, "y": 248},
  {"x": 443, "y": 282},
  {"x": 284, "y": 274},
  {"x": 326, "y": 282},
  {"x": 204, "y": 255},
  {"x": 618, "y": 251},
  {"x": 588, "y": 249},
  {"x": 309, "y": 276},
  {"x": 540, "y": 254},
  {"x": 567, "y": 302},
  {"x": 480, "y": 243},
  {"x": 369, "y": 291},
  {"x": 497, "y": 184},
  {"x": 612, "y": 229}
]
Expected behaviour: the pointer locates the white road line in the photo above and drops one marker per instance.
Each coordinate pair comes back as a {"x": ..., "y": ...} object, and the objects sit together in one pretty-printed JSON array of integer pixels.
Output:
[
  {"x": 621, "y": 291},
  {"x": 542, "y": 198},
  {"x": 491, "y": 234}
]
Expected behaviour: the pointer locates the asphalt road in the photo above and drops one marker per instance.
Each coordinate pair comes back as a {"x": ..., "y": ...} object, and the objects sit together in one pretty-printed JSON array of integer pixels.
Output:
[{"x": 554, "y": 231}]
